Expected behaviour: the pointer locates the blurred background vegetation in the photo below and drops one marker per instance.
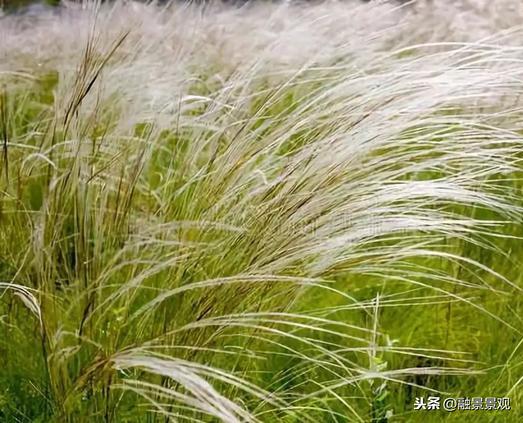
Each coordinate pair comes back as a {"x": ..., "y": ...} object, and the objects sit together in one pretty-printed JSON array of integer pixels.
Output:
[{"x": 12, "y": 5}]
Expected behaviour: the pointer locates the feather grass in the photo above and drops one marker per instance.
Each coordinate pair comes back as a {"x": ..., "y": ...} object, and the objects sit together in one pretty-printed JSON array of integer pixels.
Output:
[{"x": 192, "y": 210}]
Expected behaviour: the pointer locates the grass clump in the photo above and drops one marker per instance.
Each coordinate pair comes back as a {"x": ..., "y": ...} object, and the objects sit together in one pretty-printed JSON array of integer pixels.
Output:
[{"x": 311, "y": 230}]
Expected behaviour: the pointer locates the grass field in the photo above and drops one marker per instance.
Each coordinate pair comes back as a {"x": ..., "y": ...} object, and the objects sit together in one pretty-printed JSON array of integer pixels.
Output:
[{"x": 274, "y": 213}]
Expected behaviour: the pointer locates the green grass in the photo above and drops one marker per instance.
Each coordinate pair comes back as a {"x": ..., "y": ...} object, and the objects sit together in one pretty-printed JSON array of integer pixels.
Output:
[{"x": 287, "y": 242}]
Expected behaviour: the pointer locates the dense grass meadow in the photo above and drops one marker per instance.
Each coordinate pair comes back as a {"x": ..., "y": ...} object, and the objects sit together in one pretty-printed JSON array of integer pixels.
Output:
[{"x": 270, "y": 213}]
